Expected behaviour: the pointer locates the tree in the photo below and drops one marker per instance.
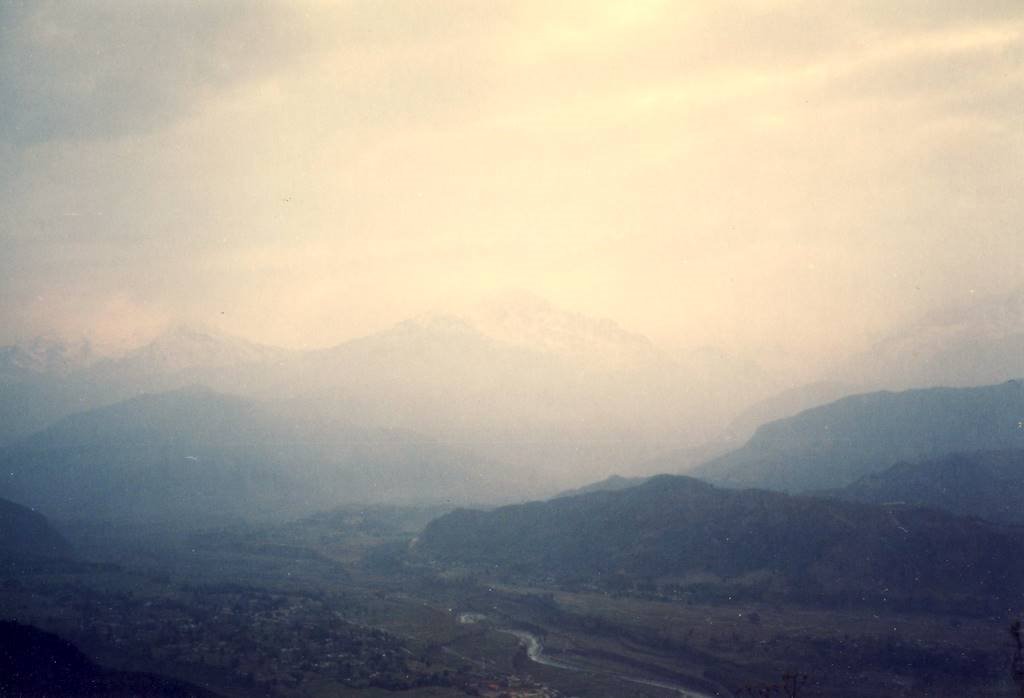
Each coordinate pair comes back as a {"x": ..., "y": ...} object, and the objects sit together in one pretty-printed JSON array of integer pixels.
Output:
[
  {"x": 792, "y": 683},
  {"x": 1017, "y": 664}
]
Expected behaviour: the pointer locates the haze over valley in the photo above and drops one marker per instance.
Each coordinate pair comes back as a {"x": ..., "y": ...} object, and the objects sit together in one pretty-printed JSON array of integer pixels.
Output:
[{"x": 528, "y": 349}]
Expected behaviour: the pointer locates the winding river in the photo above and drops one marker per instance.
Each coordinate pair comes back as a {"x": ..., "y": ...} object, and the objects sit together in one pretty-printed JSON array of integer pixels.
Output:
[{"x": 535, "y": 651}]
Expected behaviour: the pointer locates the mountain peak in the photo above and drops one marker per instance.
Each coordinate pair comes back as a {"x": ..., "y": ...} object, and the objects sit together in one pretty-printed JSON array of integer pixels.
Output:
[
  {"x": 532, "y": 322},
  {"x": 186, "y": 346},
  {"x": 192, "y": 332},
  {"x": 439, "y": 323}
]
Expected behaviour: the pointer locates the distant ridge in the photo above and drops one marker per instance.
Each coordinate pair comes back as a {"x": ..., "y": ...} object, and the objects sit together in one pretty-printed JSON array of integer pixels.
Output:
[
  {"x": 612, "y": 483},
  {"x": 834, "y": 445},
  {"x": 195, "y": 455},
  {"x": 786, "y": 404}
]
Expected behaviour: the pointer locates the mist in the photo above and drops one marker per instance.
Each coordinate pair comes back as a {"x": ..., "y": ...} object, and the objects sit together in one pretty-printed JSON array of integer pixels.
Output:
[
  {"x": 511, "y": 348},
  {"x": 780, "y": 181}
]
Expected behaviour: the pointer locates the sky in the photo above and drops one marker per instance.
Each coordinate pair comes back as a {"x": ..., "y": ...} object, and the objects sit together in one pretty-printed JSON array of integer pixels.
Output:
[{"x": 760, "y": 176}]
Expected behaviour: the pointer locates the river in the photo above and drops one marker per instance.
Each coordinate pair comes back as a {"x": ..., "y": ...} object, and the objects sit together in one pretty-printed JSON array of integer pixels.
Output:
[{"x": 535, "y": 651}]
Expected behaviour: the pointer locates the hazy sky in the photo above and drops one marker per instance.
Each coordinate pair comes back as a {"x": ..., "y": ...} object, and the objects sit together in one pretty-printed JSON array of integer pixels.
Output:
[{"x": 762, "y": 174}]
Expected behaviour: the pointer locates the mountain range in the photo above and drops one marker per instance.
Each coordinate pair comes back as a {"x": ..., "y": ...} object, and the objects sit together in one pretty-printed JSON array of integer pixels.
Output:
[
  {"x": 195, "y": 456},
  {"x": 557, "y": 396},
  {"x": 539, "y": 389}
]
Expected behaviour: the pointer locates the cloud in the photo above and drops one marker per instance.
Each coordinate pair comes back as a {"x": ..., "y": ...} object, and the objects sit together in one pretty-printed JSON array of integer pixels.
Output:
[
  {"x": 741, "y": 173},
  {"x": 104, "y": 68}
]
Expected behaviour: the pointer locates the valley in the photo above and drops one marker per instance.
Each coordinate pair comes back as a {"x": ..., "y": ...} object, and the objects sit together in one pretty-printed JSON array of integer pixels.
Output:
[
  {"x": 218, "y": 542},
  {"x": 336, "y": 605}
]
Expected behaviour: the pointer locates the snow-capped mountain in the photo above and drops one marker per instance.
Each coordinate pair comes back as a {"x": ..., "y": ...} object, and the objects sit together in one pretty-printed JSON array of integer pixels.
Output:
[
  {"x": 533, "y": 323},
  {"x": 45, "y": 356},
  {"x": 540, "y": 389},
  {"x": 187, "y": 347},
  {"x": 47, "y": 379}
]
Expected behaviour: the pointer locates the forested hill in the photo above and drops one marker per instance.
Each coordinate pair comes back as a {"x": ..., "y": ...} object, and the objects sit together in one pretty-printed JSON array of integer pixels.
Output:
[
  {"x": 673, "y": 526},
  {"x": 986, "y": 484}
]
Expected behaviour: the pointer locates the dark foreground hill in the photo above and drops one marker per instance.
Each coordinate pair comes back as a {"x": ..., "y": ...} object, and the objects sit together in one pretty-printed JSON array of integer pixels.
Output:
[
  {"x": 836, "y": 444},
  {"x": 34, "y": 664},
  {"x": 194, "y": 455},
  {"x": 987, "y": 484},
  {"x": 24, "y": 532},
  {"x": 677, "y": 529}
]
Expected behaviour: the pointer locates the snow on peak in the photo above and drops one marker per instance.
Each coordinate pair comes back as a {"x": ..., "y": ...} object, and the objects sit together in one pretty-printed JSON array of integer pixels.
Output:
[
  {"x": 438, "y": 324},
  {"x": 188, "y": 346},
  {"x": 47, "y": 355},
  {"x": 534, "y": 323}
]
